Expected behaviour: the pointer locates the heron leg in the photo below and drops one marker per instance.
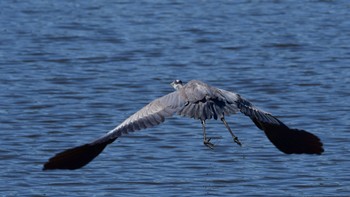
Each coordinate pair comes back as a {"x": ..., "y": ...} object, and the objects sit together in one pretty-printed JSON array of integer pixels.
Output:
[
  {"x": 235, "y": 138},
  {"x": 205, "y": 140}
]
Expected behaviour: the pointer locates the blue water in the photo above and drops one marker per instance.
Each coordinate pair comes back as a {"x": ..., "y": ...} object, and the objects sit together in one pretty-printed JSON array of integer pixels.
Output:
[{"x": 72, "y": 70}]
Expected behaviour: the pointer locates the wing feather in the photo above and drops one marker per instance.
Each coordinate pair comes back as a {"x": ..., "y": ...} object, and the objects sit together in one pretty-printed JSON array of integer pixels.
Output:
[
  {"x": 151, "y": 115},
  {"x": 284, "y": 138}
]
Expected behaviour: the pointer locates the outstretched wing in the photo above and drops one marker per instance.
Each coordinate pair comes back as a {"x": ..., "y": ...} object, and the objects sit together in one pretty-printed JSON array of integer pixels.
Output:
[
  {"x": 151, "y": 115},
  {"x": 284, "y": 138}
]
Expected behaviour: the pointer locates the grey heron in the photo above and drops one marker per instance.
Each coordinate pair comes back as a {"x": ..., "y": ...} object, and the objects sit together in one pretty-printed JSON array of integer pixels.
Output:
[{"x": 200, "y": 101}]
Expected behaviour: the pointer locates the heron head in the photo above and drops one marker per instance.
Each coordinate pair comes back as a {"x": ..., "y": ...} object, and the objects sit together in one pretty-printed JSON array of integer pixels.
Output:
[{"x": 177, "y": 84}]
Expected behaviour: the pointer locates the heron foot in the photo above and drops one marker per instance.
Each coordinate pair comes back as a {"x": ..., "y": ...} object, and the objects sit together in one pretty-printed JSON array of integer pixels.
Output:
[
  {"x": 235, "y": 139},
  {"x": 208, "y": 143}
]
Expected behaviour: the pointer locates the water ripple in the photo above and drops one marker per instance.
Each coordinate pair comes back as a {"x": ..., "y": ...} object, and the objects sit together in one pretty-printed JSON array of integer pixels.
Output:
[{"x": 71, "y": 71}]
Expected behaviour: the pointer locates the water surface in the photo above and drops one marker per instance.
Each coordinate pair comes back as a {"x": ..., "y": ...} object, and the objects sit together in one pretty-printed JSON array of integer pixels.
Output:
[{"x": 71, "y": 71}]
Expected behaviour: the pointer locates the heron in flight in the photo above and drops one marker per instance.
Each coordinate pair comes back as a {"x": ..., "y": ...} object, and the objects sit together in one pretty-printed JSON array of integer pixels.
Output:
[{"x": 200, "y": 101}]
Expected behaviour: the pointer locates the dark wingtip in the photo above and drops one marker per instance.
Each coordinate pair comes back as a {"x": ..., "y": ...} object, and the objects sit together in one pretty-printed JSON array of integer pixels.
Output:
[
  {"x": 292, "y": 141},
  {"x": 299, "y": 142},
  {"x": 75, "y": 158}
]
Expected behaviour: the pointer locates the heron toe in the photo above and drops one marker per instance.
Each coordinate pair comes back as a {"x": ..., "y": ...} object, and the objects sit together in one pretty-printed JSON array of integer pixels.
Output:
[
  {"x": 235, "y": 139},
  {"x": 208, "y": 143}
]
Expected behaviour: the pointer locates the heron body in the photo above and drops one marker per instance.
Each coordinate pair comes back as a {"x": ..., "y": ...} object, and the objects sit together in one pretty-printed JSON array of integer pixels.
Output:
[{"x": 200, "y": 101}]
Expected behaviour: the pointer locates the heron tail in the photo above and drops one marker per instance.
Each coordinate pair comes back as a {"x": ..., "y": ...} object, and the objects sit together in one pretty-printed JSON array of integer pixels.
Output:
[
  {"x": 77, "y": 157},
  {"x": 290, "y": 140}
]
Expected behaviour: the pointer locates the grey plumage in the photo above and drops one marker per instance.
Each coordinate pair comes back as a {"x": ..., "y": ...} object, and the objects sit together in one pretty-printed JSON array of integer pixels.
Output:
[{"x": 199, "y": 101}]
